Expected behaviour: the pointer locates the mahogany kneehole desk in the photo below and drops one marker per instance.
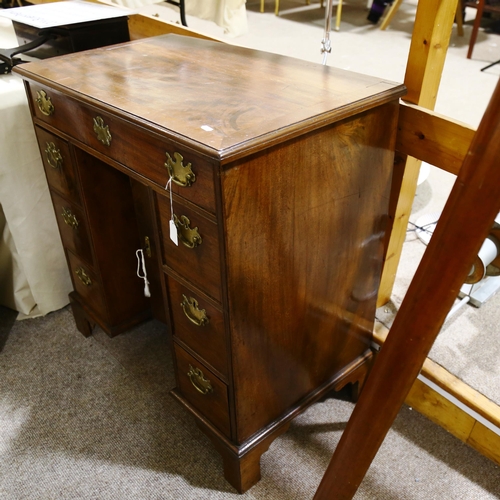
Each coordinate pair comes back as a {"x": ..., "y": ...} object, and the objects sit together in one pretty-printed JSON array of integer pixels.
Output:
[{"x": 281, "y": 171}]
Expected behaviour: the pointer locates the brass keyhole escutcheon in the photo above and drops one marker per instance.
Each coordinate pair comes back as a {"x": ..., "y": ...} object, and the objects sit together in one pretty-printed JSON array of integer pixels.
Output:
[
  {"x": 147, "y": 246},
  {"x": 44, "y": 103},
  {"x": 193, "y": 313},
  {"x": 102, "y": 131},
  {"x": 53, "y": 155},
  {"x": 69, "y": 218},
  {"x": 200, "y": 383},
  {"x": 181, "y": 174},
  {"x": 83, "y": 276},
  {"x": 189, "y": 237}
]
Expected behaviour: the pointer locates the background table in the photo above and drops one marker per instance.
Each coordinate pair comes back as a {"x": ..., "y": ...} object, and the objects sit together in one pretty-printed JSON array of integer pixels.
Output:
[{"x": 33, "y": 274}]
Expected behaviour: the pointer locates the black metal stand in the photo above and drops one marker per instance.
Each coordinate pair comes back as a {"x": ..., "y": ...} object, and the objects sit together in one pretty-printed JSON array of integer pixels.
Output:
[
  {"x": 490, "y": 65},
  {"x": 180, "y": 4},
  {"x": 7, "y": 59}
]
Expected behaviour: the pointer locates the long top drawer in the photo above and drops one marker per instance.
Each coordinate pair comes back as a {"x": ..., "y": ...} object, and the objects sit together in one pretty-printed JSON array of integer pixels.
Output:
[{"x": 148, "y": 154}]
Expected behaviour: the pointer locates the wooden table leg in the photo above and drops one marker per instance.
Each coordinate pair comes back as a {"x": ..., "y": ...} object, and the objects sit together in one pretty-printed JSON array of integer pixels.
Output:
[
  {"x": 475, "y": 27},
  {"x": 241, "y": 466},
  {"x": 338, "y": 16},
  {"x": 459, "y": 19},
  {"x": 83, "y": 322},
  {"x": 392, "y": 11}
]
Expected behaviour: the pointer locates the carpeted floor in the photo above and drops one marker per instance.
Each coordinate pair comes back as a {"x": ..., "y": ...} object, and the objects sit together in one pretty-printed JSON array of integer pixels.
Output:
[{"x": 91, "y": 418}]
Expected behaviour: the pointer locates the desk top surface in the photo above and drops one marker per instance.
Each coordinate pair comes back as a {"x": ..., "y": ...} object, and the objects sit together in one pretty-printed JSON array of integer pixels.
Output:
[{"x": 222, "y": 98}]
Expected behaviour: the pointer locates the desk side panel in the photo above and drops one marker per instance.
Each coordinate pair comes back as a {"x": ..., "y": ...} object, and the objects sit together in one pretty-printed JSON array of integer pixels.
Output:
[{"x": 304, "y": 225}]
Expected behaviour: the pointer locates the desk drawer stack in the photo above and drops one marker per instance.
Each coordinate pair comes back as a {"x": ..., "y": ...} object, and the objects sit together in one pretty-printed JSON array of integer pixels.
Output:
[
  {"x": 279, "y": 171},
  {"x": 103, "y": 274}
]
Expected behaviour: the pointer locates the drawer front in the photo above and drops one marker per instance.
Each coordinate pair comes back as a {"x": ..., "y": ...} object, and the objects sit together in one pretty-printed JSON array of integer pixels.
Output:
[
  {"x": 73, "y": 228},
  {"x": 203, "y": 390},
  {"x": 87, "y": 284},
  {"x": 54, "y": 109},
  {"x": 192, "y": 175},
  {"x": 58, "y": 164},
  {"x": 198, "y": 324},
  {"x": 146, "y": 153},
  {"x": 196, "y": 257}
]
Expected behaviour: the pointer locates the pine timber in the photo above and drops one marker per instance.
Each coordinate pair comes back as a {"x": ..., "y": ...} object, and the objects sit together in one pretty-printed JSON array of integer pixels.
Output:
[
  {"x": 429, "y": 44},
  {"x": 444, "y": 412},
  {"x": 432, "y": 138}
]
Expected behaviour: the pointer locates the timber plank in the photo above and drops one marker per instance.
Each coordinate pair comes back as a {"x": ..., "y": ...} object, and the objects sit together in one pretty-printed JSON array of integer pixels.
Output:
[
  {"x": 432, "y": 138},
  {"x": 451, "y": 384},
  {"x": 440, "y": 410},
  {"x": 142, "y": 26},
  {"x": 429, "y": 44},
  {"x": 486, "y": 442}
]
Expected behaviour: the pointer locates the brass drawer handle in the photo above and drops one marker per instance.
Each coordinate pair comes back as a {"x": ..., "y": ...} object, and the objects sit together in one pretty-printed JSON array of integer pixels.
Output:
[
  {"x": 83, "y": 276},
  {"x": 54, "y": 157},
  {"x": 102, "y": 131},
  {"x": 200, "y": 383},
  {"x": 181, "y": 174},
  {"x": 69, "y": 218},
  {"x": 44, "y": 103},
  {"x": 193, "y": 313},
  {"x": 189, "y": 237}
]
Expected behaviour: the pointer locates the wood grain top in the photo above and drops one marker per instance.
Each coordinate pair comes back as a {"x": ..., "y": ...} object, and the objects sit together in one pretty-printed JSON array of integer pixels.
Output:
[{"x": 221, "y": 99}]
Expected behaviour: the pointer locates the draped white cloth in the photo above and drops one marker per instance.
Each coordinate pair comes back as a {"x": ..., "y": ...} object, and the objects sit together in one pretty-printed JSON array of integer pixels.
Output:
[
  {"x": 34, "y": 279},
  {"x": 228, "y": 14}
]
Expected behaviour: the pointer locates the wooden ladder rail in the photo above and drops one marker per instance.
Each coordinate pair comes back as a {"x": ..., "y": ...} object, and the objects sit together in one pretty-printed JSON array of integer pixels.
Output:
[
  {"x": 429, "y": 44},
  {"x": 462, "y": 228}
]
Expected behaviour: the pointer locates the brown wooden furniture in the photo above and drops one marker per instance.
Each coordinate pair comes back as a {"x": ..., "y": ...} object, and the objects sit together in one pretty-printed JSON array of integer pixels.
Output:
[
  {"x": 462, "y": 228},
  {"x": 481, "y": 7},
  {"x": 281, "y": 175}
]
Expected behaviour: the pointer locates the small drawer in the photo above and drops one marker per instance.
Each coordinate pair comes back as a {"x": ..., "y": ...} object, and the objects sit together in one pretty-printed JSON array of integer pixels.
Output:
[
  {"x": 58, "y": 164},
  {"x": 54, "y": 109},
  {"x": 203, "y": 389},
  {"x": 196, "y": 257},
  {"x": 198, "y": 324},
  {"x": 87, "y": 284},
  {"x": 183, "y": 165},
  {"x": 73, "y": 228},
  {"x": 142, "y": 151}
]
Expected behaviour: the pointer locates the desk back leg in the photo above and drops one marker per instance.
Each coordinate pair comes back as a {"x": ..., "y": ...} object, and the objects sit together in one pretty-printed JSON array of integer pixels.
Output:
[{"x": 83, "y": 323}]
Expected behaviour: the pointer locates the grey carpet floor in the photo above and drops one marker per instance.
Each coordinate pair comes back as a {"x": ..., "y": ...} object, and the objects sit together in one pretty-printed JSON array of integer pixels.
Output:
[{"x": 91, "y": 418}]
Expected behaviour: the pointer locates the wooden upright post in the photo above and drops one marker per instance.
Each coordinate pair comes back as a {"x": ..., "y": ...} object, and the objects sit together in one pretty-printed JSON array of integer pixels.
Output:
[
  {"x": 429, "y": 44},
  {"x": 462, "y": 228}
]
